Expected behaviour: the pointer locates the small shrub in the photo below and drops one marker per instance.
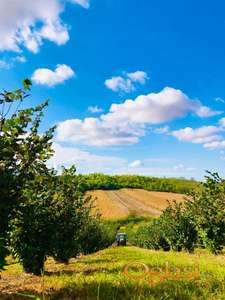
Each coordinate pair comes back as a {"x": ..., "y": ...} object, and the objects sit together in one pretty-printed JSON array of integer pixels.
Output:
[
  {"x": 208, "y": 209},
  {"x": 95, "y": 236},
  {"x": 32, "y": 227},
  {"x": 71, "y": 218},
  {"x": 178, "y": 227},
  {"x": 151, "y": 237}
]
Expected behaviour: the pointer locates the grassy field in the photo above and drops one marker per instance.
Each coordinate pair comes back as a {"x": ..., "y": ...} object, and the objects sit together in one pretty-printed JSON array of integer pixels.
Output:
[
  {"x": 118, "y": 273},
  {"x": 121, "y": 203}
]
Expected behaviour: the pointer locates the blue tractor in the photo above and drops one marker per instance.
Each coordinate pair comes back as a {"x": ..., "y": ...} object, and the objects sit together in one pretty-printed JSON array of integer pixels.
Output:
[{"x": 121, "y": 239}]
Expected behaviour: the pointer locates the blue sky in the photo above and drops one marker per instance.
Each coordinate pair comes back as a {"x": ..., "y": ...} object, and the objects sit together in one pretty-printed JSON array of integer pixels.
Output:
[{"x": 135, "y": 86}]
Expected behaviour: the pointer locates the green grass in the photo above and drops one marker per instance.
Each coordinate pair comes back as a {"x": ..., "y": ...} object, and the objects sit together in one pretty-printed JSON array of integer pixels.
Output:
[
  {"x": 129, "y": 224},
  {"x": 101, "y": 276}
]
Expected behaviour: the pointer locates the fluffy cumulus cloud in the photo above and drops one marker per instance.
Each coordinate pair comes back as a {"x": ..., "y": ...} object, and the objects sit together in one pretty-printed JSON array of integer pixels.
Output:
[
  {"x": 95, "y": 132},
  {"x": 27, "y": 23},
  {"x": 125, "y": 123},
  {"x": 51, "y": 78},
  {"x": 202, "y": 135},
  {"x": 211, "y": 137},
  {"x": 126, "y": 83},
  {"x": 155, "y": 108}
]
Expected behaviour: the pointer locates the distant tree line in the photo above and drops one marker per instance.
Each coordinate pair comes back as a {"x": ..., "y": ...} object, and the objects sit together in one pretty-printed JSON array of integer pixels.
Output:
[{"x": 109, "y": 182}]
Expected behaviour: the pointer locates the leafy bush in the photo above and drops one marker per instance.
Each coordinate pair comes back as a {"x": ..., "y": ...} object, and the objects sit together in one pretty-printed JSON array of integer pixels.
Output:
[
  {"x": 151, "y": 237},
  {"x": 23, "y": 152},
  {"x": 208, "y": 209},
  {"x": 184, "y": 225},
  {"x": 95, "y": 236},
  {"x": 178, "y": 227},
  {"x": 71, "y": 218},
  {"x": 32, "y": 227}
]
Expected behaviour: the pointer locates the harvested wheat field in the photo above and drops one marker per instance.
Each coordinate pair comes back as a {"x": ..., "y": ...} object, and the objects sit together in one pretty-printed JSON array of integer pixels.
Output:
[{"x": 121, "y": 203}]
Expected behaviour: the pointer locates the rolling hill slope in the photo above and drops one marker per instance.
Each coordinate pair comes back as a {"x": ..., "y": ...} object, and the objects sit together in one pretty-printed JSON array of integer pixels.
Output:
[{"x": 115, "y": 204}]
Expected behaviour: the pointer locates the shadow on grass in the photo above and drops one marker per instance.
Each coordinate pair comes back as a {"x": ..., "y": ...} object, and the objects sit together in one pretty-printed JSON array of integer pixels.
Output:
[
  {"x": 95, "y": 261},
  {"x": 86, "y": 272},
  {"x": 128, "y": 290}
]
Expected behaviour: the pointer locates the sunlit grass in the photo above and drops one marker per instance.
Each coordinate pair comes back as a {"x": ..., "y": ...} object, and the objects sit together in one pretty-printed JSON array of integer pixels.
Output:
[{"x": 101, "y": 276}]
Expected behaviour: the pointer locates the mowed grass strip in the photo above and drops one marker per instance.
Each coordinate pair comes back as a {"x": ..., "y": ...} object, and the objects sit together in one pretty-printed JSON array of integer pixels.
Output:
[{"x": 101, "y": 276}]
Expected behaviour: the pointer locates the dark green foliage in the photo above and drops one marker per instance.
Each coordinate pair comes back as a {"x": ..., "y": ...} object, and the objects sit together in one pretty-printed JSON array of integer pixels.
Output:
[
  {"x": 72, "y": 214},
  {"x": 32, "y": 227},
  {"x": 208, "y": 209},
  {"x": 95, "y": 236},
  {"x": 50, "y": 221},
  {"x": 178, "y": 227},
  {"x": 107, "y": 182},
  {"x": 23, "y": 152},
  {"x": 152, "y": 236},
  {"x": 3, "y": 252}
]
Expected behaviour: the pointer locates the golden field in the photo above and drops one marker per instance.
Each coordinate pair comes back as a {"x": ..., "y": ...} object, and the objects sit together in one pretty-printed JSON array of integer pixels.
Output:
[{"x": 116, "y": 204}]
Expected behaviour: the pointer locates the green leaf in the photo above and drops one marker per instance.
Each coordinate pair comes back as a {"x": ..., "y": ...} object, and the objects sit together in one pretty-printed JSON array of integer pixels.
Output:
[{"x": 27, "y": 83}]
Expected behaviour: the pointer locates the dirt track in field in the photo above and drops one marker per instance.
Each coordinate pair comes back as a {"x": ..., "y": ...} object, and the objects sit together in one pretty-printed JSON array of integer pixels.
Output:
[
  {"x": 132, "y": 203},
  {"x": 120, "y": 203}
]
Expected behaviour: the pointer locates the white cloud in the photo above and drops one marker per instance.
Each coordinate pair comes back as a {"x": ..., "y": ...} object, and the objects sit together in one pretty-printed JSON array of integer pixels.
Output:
[
  {"x": 162, "y": 130},
  {"x": 182, "y": 167},
  {"x": 95, "y": 109},
  {"x": 119, "y": 84},
  {"x": 95, "y": 132},
  {"x": 154, "y": 108},
  {"x": 52, "y": 78},
  {"x": 138, "y": 76},
  {"x": 87, "y": 162},
  {"x": 125, "y": 123},
  {"x": 84, "y": 3},
  {"x": 209, "y": 136},
  {"x": 202, "y": 135},
  {"x": 20, "y": 58},
  {"x": 27, "y": 23},
  {"x": 136, "y": 164},
  {"x": 222, "y": 122},
  {"x": 219, "y": 99},
  {"x": 215, "y": 145},
  {"x": 4, "y": 64},
  {"x": 8, "y": 64},
  {"x": 127, "y": 83},
  {"x": 84, "y": 160},
  {"x": 205, "y": 112}
]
